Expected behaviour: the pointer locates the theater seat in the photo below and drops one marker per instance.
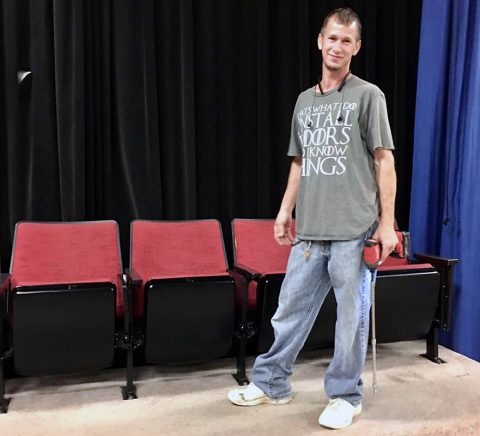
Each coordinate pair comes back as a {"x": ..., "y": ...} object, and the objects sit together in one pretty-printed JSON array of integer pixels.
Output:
[
  {"x": 259, "y": 258},
  {"x": 184, "y": 298},
  {"x": 413, "y": 296},
  {"x": 63, "y": 298}
]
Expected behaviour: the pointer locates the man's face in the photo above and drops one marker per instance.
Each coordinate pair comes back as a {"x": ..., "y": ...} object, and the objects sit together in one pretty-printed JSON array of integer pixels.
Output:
[{"x": 338, "y": 43}]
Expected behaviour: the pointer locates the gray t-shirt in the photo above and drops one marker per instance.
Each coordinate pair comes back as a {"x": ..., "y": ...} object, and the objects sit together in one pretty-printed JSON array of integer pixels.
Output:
[{"x": 336, "y": 134}]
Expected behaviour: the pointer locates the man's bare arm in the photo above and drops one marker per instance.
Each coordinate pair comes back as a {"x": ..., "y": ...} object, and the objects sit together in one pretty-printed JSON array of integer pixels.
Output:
[
  {"x": 387, "y": 188},
  {"x": 282, "y": 228}
]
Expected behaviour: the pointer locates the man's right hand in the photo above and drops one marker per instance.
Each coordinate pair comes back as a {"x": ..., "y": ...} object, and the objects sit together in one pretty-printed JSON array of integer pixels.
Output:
[{"x": 282, "y": 228}]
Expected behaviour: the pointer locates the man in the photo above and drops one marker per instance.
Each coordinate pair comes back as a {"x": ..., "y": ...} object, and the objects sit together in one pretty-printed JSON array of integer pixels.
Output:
[{"x": 342, "y": 182}]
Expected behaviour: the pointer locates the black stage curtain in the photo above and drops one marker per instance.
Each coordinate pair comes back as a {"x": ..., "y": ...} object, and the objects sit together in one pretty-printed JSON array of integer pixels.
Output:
[{"x": 174, "y": 109}]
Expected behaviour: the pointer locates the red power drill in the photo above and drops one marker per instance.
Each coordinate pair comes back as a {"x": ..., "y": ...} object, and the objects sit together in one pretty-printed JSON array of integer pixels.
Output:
[{"x": 373, "y": 250}]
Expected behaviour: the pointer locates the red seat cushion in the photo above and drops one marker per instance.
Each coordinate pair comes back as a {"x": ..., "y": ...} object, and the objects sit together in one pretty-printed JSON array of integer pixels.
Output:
[
  {"x": 67, "y": 253},
  {"x": 393, "y": 263},
  {"x": 175, "y": 249}
]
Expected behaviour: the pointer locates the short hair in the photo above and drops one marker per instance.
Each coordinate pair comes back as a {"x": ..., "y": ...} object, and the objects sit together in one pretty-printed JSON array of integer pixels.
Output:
[{"x": 345, "y": 16}]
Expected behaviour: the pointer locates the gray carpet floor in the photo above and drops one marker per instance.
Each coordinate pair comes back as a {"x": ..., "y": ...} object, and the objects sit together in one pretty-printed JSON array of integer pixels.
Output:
[{"x": 414, "y": 397}]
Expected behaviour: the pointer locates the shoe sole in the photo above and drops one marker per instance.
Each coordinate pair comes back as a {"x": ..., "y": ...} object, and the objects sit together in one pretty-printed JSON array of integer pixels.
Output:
[
  {"x": 356, "y": 413},
  {"x": 236, "y": 397}
]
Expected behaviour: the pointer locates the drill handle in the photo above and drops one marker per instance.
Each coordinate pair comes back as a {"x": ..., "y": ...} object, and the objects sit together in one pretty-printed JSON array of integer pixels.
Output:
[{"x": 371, "y": 254}]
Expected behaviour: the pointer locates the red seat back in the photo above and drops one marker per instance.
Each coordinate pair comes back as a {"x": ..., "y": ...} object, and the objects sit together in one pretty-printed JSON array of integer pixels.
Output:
[
  {"x": 49, "y": 253},
  {"x": 175, "y": 249},
  {"x": 255, "y": 247}
]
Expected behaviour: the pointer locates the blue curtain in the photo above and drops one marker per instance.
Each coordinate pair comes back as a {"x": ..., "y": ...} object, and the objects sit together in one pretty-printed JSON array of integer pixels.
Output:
[{"x": 445, "y": 202}]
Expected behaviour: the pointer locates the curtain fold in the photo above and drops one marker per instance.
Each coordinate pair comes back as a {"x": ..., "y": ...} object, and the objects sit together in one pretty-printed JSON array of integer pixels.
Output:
[
  {"x": 173, "y": 109},
  {"x": 444, "y": 211},
  {"x": 69, "y": 81}
]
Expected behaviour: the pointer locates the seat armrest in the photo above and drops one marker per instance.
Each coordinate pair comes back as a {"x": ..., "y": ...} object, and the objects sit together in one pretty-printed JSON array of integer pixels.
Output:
[
  {"x": 132, "y": 277},
  {"x": 127, "y": 285},
  {"x": 445, "y": 267},
  {"x": 4, "y": 282},
  {"x": 4, "y": 296},
  {"x": 437, "y": 261},
  {"x": 4, "y": 293},
  {"x": 247, "y": 272}
]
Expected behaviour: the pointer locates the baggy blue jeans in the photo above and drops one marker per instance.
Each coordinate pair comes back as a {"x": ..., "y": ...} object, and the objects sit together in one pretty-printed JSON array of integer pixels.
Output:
[{"x": 308, "y": 279}]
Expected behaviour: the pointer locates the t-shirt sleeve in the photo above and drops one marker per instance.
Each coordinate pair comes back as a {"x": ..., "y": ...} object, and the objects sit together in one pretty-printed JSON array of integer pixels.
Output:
[
  {"x": 295, "y": 145},
  {"x": 378, "y": 133}
]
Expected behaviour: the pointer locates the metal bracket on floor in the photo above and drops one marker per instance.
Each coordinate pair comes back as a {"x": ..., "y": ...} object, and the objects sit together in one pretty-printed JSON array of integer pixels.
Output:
[
  {"x": 129, "y": 392},
  {"x": 4, "y": 402},
  {"x": 129, "y": 342},
  {"x": 245, "y": 332},
  {"x": 432, "y": 346}
]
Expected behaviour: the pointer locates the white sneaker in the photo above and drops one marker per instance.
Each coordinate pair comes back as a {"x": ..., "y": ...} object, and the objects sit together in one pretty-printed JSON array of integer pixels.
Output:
[
  {"x": 339, "y": 414},
  {"x": 253, "y": 396}
]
